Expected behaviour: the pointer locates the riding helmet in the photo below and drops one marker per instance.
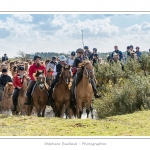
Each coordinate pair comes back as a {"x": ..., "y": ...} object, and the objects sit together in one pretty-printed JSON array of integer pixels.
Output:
[
  {"x": 131, "y": 46},
  {"x": 62, "y": 58},
  {"x": 21, "y": 68},
  {"x": 95, "y": 49},
  {"x": 137, "y": 47},
  {"x": 79, "y": 50},
  {"x": 86, "y": 47},
  {"x": 128, "y": 47},
  {"x": 73, "y": 53},
  {"x": 54, "y": 58},
  {"x": 96, "y": 55},
  {"x": 37, "y": 56},
  {"x": 4, "y": 70}
]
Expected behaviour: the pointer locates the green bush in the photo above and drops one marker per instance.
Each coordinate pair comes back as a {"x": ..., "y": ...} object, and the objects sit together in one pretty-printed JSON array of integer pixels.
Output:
[{"x": 132, "y": 96}]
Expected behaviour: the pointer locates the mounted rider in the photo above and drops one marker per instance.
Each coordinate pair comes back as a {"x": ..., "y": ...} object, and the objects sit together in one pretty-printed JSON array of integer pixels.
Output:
[
  {"x": 18, "y": 83},
  {"x": 4, "y": 78},
  {"x": 80, "y": 57},
  {"x": 56, "y": 73},
  {"x": 52, "y": 63},
  {"x": 33, "y": 68}
]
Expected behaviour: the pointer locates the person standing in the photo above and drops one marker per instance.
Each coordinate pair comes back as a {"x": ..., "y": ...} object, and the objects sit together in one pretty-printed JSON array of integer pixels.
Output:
[{"x": 94, "y": 52}]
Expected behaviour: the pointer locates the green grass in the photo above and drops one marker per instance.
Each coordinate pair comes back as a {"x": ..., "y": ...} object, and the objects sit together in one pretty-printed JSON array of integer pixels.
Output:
[{"x": 136, "y": 124}]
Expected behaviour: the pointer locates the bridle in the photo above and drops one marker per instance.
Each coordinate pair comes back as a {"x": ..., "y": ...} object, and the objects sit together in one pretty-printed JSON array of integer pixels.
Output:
[
  {"x": 88, "y": 72},
  {"x": 41, "y": 82}
]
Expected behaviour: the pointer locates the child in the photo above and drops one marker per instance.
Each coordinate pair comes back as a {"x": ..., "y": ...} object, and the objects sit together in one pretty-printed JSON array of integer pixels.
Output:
[{"x": 18, "y": 83}]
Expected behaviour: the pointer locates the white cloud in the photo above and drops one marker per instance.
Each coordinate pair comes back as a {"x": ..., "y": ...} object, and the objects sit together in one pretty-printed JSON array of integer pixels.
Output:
[
  {"x": 94, "y": 27},
  {"x": 23, "y": 17},
  {"x": 139, "y": 28}
]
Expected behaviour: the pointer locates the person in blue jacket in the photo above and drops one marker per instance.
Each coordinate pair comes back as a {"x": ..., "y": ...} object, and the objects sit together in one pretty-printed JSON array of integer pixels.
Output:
[{"x": 118, "y": 52}]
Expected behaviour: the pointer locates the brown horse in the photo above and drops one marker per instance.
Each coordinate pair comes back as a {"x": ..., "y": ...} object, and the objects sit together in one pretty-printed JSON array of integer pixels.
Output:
[
  {"x": 84, "y": 91},
  {"x": 24, "y": 109},
  {"x": 62, "y": 93},
  {"x": 6, "y": 103},
  {"x": 49, "y": 77},
  {"x": 39, "y": 94}
]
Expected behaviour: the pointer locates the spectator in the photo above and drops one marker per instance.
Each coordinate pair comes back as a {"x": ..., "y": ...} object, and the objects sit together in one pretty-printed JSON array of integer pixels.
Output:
[
  {"x": 138, "y": 53},
  {"x": 4, "y": 58}
]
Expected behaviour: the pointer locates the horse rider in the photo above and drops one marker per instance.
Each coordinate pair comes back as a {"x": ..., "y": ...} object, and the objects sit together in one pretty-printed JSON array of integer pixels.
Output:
[
  {"x": 87, "y": 52},
  {"x": 4, "y": 78},
  {"x": 92, "y": 55},
  {"x": 18, "y": 83},
  {"x": 52, "y": 63},
  {"x": 138, "y": 53},
  {"x": 70, "y": 59},
  {"x": 33, "y": 68},
  {"x": 4, "y": 58},
  {"x": 96, "y": 59},
  {"x": 56, "y": 73},
  {"x": 118, "y": 52},
  {"x": 79, "y": 59}
]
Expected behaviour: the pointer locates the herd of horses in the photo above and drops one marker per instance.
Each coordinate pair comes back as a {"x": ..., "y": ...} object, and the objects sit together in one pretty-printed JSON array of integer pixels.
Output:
[{"x": 61, "y": 103}]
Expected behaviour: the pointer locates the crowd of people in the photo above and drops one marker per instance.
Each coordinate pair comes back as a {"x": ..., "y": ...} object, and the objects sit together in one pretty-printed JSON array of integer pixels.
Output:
[
  {"x": 130, "y": 52},
  {"x": 56, "y": 66}
]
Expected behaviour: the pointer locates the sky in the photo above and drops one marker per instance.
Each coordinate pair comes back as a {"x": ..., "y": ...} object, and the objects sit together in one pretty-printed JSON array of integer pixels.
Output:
[{"x": 33, "y": 33}]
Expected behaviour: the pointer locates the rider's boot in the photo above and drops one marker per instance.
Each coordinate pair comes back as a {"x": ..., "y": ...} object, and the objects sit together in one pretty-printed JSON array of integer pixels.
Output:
[
  {"x": 50, "y": 98},
  {"x": 95, "y": 90},
  {"x": 28, "y": 101}
]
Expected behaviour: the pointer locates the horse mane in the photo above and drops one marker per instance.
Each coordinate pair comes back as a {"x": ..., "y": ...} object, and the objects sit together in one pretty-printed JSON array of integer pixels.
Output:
[
  {"x": 38, "y": 72},
  {"x": 80, "y": 73}
]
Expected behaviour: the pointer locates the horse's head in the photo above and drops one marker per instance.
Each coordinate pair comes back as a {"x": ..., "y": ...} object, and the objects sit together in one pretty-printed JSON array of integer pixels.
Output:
[
  {"x": 8, "y": 90},
  {"x": 88, "y": 69},
  {"x": 66, "y": 73},
  {"x": 40, "y": 78}
]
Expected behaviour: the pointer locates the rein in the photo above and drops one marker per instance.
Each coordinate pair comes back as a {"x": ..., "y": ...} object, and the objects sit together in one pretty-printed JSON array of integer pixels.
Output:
[{"x": 87, "y": 72}]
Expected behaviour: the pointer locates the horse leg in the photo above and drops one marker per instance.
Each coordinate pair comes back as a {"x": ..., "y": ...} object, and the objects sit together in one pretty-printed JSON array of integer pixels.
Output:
[
  {"x": 43, "y": 111},
  {"x": 57, "y": 109},
  {"x": 91, "y": 108},
  {"x": 79, "y": 110},
  {"x": 67, "y": 109},
  {"x": 38, "y": 110},
  {"x": 62, "y": 111},
  {"x": 88, "y": 110}
]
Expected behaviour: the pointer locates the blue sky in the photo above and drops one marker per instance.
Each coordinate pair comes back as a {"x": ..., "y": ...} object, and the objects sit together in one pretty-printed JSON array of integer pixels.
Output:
[{"x": 62, "y": 32}]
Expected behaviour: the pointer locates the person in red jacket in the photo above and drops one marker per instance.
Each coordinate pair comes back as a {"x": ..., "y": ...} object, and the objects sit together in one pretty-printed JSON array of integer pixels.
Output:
[
  {"x": 33, "y": 68},
  {"x": 18, "y": 83}
]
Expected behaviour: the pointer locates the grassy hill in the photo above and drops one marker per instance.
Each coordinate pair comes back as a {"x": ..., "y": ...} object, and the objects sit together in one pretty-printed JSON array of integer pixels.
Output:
[{"x": 136, "y": 124}]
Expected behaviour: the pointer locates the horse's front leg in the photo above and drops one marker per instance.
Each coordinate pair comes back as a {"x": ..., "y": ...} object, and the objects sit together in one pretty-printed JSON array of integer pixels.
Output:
[
  {"x": 79, "y": 109},
  {"x": 43, "y": 111},
  {"x": 38, "y": 110},
  {"x": 88, "y": 110}
]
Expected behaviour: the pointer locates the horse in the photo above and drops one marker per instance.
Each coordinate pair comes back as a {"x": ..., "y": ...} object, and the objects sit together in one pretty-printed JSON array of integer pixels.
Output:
[
  {"x": 6, "y": 103},
  {"x": 39, "y": 93},
  {"x": 14, "y": 71},
  {"x": 84, "y": 91},
  {"x": 24, "y": 109},
  {"x": 49, "y": 77},
  {"x": 26, "y": 66},
  {"x": 62, "y": 93}
]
